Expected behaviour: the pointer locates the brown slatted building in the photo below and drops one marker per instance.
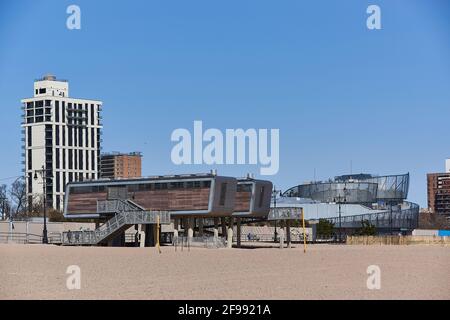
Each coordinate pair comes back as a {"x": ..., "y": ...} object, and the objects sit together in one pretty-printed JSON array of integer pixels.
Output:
[{"x": 196, "y": 194}]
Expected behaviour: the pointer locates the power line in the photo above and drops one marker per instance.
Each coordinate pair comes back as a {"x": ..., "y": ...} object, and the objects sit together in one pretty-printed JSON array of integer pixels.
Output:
[{"x": 9, "y": 178}]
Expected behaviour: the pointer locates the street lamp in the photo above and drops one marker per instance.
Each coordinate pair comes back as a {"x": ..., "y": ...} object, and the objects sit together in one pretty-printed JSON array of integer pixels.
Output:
[
  {"x": 340, "y": 200},
  {"x": 44, "y": 176},
  {"x": 390, "y": 217},
  {"x": 274, "y": 195}
]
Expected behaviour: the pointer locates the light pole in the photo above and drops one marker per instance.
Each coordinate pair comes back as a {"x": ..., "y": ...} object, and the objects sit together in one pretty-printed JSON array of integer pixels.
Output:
[
  {"x": 43, "y": 174},
  {"x": 339, "y": 200},
  {"x": 390, "y": 218},
  {"x": 274, "y": 195}
]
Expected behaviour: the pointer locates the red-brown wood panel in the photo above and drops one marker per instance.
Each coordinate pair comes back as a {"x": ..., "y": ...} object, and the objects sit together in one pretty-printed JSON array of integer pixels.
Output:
[
  {"x": 172, "y": 200},
  {"x": 84, "y": 202},
  {"x": 242, "y": 202}
]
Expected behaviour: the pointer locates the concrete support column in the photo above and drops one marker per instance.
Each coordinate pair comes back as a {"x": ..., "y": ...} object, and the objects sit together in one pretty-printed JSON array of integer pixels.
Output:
[
  {"x": 136, "y": 235},
  {"x": 288, "y": 233},
  {"x": 200, "y": 227},
  {"x": 216, "y": 228},
  {"x": 230, "y": 238},
  {"x": 184, "y": 226},
  {"x": 281, "y": 237},
  {"x": 190, "y": 232},
  {"x": 224, "y": 227},
  {"x": 176, "y": 225},
  {"x": 150, "y": 235},
  {"x": 142, "y": 238},
  {"x": 238, "y": 232},
  {"x": 230, "y": 233}
]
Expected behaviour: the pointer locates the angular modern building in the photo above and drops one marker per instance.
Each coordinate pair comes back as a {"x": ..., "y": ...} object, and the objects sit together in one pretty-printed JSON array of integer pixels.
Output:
[
  {"x": 61, "y": 140},
  {"x": 347, "y": 200},
  {"x": 118, "y": 204}
]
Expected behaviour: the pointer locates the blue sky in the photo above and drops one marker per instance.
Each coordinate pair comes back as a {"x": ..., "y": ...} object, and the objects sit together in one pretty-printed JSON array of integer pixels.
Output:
[{"x": 338, "y": 92}]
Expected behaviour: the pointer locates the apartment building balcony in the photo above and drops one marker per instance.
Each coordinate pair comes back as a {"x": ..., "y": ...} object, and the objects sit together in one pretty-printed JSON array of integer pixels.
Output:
[
  {"x": 77, "y": 118},
  {"x": 72, "y": 109},
  {"x": 76, "y": 125}
]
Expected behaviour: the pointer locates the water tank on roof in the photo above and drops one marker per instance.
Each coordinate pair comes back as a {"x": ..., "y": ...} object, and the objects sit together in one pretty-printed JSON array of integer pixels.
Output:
[{"x": 49, "y": 77}]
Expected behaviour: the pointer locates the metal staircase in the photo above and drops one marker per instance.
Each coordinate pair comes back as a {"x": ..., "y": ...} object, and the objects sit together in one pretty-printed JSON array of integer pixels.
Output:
[{"x": 126, "y": 213}]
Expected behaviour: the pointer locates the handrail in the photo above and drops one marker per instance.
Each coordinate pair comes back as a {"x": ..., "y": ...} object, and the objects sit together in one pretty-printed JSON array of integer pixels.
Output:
[
  {"x": 22, "y": 237},
  {"x": 125, "y": 213}
]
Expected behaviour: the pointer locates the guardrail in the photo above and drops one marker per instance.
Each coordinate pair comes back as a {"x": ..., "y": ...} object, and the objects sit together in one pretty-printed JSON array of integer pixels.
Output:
[
  {"x": 398, "y": 219},
  {"x": 29, "y": 238},
  {"x": 202, "y": 242},
  {"x": 270, "y": 237}
]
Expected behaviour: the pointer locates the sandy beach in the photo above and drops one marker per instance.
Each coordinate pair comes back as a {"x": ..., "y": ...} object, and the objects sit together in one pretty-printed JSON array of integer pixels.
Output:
[{"x": 324, "y": 272}]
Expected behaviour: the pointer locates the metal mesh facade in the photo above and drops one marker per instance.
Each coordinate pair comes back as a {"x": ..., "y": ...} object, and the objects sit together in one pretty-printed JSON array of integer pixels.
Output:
[
  {"x": 361, "y": 188},
  {"x": 406, "y": 218}
]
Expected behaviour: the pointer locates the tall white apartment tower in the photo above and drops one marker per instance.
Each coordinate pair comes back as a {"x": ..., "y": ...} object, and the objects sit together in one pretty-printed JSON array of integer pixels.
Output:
[{"x": 61, "y": 135}]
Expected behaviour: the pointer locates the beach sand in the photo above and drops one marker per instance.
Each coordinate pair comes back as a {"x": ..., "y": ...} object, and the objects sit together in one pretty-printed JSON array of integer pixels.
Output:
[{"x": 324, "y": 272}]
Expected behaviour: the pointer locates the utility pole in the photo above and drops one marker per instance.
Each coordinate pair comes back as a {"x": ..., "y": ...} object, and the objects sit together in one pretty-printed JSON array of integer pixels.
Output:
[{"x": 390, "y": 218}]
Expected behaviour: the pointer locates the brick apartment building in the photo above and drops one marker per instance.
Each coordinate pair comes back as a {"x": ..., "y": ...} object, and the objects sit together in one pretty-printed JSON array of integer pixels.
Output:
[
  {"x": 438, "y": 186},
  {"x": 121, "y": 165}
]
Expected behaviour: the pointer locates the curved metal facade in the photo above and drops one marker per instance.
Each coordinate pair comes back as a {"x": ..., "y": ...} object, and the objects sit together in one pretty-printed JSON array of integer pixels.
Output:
[{"x": 361, "y": 188}]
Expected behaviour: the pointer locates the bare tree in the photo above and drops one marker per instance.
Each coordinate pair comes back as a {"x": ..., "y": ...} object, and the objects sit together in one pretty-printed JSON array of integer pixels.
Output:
[
  {"x": 18, "y": 195},
  {"x": 4, "y": 202}
]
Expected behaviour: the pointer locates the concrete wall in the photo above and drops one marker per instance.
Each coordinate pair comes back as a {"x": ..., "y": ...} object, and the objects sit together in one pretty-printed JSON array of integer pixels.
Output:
[
  {"x": 425, "y": 232},
  {"x": 397, "y": 240},
  {"x": 37, "y": 227}
]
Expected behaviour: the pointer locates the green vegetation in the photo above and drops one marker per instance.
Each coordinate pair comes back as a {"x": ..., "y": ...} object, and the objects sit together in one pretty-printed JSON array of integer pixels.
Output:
[
  {"x": 324, "y": 228},
  {"x": 367, "y": 229}
]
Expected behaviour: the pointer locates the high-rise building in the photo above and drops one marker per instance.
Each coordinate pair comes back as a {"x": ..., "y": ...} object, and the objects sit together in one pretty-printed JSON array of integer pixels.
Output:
[
  {"x": 62, "y": 137},
  {"x": 117, "y": 165},
  {"x": 438, "y": 185}
]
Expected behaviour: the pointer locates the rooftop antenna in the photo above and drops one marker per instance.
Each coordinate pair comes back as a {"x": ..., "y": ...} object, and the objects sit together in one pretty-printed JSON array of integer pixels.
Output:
[{"x": 351, "y": 167}]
